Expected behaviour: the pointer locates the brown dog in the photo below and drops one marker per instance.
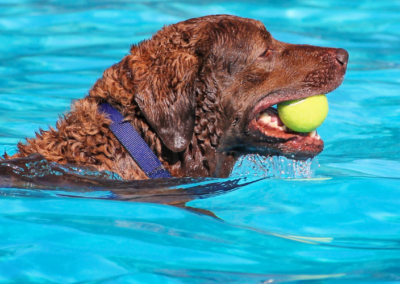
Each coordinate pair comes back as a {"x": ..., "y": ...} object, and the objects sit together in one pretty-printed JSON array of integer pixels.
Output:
[{"x": 195, "y": 92}]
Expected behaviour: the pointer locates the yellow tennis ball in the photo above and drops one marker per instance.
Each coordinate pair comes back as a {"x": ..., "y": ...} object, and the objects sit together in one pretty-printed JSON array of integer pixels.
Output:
[{"x": 304, "y": 115}]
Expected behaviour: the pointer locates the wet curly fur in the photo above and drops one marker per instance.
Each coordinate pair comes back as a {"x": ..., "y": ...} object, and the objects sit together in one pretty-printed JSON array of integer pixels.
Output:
[
  {"x": 178, "y": 90},
  {"x": 82, "y": 137}
]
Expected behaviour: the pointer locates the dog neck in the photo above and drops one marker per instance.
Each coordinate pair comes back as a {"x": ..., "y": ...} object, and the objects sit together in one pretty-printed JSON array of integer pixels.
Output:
[{"x": 200, "y": 158}]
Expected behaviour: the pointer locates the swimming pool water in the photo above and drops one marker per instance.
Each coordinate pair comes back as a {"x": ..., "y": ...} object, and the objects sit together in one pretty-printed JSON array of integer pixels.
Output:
[{"x": 343, "y": 226}]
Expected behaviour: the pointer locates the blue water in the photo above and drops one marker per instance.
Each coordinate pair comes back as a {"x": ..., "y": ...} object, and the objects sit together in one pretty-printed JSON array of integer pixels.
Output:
[{"x": 342, "y": 226}]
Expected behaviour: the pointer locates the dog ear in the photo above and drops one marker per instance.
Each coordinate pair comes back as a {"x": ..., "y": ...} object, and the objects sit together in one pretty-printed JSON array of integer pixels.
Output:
[{"x": 165, "y": 94}]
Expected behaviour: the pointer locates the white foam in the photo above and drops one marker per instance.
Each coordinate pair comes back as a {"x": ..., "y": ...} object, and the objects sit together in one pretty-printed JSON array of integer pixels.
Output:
[{"x": 275, "y": 166}]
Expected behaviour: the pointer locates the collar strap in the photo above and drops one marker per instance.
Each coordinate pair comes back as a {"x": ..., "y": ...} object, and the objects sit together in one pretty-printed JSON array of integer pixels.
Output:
[{"x": 134, "y": 143}]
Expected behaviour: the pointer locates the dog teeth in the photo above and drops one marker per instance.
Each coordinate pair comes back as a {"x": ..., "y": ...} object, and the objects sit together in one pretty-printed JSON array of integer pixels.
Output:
[
  {"x": 312, "y": 133},
  {"x": 264, "y": 117},
  {"x": 271, "y": 121}
]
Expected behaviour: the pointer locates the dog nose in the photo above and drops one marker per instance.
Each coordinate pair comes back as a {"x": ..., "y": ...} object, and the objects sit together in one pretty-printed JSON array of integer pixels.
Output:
[{"x": 342, "y": 56}]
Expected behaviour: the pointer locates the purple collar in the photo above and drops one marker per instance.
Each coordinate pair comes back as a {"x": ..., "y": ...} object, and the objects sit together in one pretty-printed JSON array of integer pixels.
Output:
[{"x": 134, "y": 143}]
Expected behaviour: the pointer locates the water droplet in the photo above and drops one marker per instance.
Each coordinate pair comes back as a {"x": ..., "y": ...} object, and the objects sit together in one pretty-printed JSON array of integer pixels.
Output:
[{"x": 275, "y": 166}]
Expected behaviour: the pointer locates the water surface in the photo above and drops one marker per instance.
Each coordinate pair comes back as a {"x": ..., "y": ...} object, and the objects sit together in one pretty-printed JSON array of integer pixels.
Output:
[{"x": 343, "y": 226}]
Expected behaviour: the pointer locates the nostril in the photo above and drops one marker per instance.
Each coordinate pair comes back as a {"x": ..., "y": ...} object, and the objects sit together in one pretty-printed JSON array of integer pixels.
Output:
[{"x": 342, "y": 56}]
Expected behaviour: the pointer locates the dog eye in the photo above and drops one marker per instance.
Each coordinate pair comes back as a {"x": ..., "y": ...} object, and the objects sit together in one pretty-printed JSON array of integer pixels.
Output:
[{"x": 267, "y": 53}]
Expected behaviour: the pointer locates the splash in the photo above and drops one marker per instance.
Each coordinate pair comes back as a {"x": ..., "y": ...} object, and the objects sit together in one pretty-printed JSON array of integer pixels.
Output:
[{"x": 275, "y": 166}]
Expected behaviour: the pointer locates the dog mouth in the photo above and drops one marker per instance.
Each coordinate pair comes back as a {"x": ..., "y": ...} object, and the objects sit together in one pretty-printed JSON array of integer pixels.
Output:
[
  {"x": 269, "y": 122},
  {"x": 264, "y": 129},
  {"x": 269, "y": 132}
]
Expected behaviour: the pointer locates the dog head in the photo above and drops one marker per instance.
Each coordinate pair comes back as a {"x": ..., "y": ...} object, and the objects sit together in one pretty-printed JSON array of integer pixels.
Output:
[{"x": 209, "y": 78}]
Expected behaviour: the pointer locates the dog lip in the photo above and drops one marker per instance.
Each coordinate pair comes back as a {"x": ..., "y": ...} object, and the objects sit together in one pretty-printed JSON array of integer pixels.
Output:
[
  {"x": 292, "y": 145},
  {"x": 283, "y": 135}
]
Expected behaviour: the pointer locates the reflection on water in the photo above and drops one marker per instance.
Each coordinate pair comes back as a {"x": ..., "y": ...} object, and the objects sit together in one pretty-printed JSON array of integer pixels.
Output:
[{"x": 34, "y": 176}]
